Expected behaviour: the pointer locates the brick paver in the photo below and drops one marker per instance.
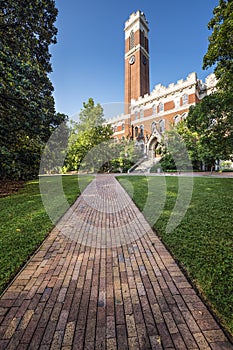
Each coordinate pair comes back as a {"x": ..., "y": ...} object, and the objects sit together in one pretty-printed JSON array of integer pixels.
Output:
[{"x": 103, "y": 280}]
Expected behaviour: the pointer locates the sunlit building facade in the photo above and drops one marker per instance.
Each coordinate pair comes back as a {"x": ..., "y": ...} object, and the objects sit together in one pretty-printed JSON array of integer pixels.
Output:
[{"x": 148, "y": 114}]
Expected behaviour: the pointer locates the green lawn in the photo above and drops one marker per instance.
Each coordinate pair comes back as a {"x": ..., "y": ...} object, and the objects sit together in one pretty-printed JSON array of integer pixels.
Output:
[
  {"x": 24, "y": 222},
  {"x": 203, "y": 242}
]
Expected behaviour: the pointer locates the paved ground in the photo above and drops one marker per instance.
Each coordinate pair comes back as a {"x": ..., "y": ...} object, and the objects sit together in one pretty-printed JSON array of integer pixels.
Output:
[{"x": 103, "y": 280}]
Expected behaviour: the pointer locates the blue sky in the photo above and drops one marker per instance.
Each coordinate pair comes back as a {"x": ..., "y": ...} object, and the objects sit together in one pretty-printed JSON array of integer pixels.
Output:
[{"x": 88, "y": 60}]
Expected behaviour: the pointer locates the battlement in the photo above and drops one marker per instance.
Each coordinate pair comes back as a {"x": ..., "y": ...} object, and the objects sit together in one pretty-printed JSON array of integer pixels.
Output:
[
  {"x": 161, "y": 91},
  {"x": 180, "y": 84},
  {"x": 134, "y": 17},
  {"x": 117, "y": 118}
]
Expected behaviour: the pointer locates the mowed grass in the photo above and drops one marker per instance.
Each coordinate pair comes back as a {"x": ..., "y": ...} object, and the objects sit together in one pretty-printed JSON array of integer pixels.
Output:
[
  {"x": 24, "y": 222},
  {"x": 203, "y": 241}
]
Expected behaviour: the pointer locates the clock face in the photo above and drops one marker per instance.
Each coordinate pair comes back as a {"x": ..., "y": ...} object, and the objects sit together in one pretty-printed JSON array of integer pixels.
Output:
[{"x": 132, "y": 60}]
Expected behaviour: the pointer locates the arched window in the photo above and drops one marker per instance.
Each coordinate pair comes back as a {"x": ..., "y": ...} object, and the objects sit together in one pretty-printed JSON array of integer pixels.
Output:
[
  {"x": 177, "y": 102},
  {"x": 136, "y": 131},
  {"x": 185, "y": 99},
  {"x": 184, "y": 116},
  {"x": 136, "y": 115},
  {"x": 161, "y": 107},
  {"x": 141, "y": 113},
  {"x": 154, "y": 110},
  {"x": 162, "y": 125},
  {"x": 177, "y": 119},
  {"x": 141, "y": 130},
  {"x": 131, "y": 40},
  {"x": 143, "y": 38},
  {"x": 153, "y": 127},
  {"x": 122, "y": 126}
]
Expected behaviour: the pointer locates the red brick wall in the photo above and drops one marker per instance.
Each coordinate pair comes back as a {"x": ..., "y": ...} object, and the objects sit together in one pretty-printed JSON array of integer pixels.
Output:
[
  {"x": 136, "y": 75},
  {"x": 169, "y": 105}
]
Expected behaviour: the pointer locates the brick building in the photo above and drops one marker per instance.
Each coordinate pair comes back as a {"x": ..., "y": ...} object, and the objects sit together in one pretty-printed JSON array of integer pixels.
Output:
[{"x": 148, "y": 114}]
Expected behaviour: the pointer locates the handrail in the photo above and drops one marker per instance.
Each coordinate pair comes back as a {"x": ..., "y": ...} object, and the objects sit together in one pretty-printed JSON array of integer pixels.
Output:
[{"x": 140, "y": 161}]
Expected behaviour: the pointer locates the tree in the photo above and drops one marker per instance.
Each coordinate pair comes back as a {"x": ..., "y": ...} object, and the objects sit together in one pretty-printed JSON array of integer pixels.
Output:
[
  {"x": 177, "y": 149},
  {"x": 27, "y": 113},
  {"x": 220, "y": 49},
  {"x": 85, "y": 135},
  {"x": 121, "y": 156},
  {"x": 212, "y": 121},
  {"x": 212, "y": 118},
  {"x": 91, "y": 116}
]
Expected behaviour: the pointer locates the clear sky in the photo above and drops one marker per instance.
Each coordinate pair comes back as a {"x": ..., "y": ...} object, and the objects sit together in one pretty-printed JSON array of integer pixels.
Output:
[{"x": 88, "y": 60}]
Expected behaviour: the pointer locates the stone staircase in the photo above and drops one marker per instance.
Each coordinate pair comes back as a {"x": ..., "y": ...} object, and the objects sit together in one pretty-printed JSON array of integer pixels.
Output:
[{"x": 144, "y": 166}]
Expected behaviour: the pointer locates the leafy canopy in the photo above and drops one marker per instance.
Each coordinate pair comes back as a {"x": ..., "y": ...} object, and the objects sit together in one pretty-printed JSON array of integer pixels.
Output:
[
  {"x": 220, "y": 49},
  {"x": 212, "y": 118},
  {"x": 27, "y": 113},
  {"x": 85, "y": 135}
]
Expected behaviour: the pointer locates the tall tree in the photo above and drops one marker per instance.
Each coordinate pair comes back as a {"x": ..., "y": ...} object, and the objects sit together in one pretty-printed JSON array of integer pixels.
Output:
[
  {"x": 90, "y": 116},
  {"x": 27, "y": 114},
  {"x": 85, "y": 136},
  {"x": 212, "y": 118},
  {"x": 220, "y": 49},
  {"x": 212, "y": 121}
]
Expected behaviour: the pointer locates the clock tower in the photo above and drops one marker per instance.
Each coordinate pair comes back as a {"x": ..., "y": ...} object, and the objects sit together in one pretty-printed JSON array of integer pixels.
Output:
[{"x": 136, "y": 58}]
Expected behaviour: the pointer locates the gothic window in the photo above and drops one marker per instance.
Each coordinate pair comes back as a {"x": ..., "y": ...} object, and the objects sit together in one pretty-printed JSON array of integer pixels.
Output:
[
  {"x": 177, "y": 119},
  {"x": 154, "y": 110},
  {"x": 185, "y": 99},
  {"x": 143, "y": 38},
  {"x": 153, "y": 127},
  {"x": 177, "y": 102},
  {"x": 162, "y": 125},
  {"x": 122, "y": 126},
  {"x": 184, "y": 116},
  {"x": 131, "y": 40},
  {"x": 136, "y": 131},
  {"x": 136, "y": 115},
  {"x": 161, "y": 107},
  {"x": 141, "y": 130},
  {"x": 141, "y": 113}
]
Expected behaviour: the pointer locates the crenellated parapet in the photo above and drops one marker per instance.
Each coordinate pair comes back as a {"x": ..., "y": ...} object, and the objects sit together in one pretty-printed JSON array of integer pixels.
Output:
[
  {"x": 136, "y": 18},
  {"x": 162, "y": 92},
  {"x": 118, "y": 118},
  {"x": 174, "y": 91}
]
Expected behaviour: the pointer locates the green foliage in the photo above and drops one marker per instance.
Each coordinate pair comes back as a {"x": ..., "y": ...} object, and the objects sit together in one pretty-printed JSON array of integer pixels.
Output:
[
  {"x": 178, "y": 149},
  {"x": 207, "y": 132},
  {"x": 220, "y": 50},
  {"x": 122, "y": 156},
  {"x": 27, "y": 114},
  {"x": 202, "y": 243},
  {"x": 91, "y": 116},
  {"x": 167, "y": 162},
  {"x": 24, "y": 223},
  {"x": 55, "y": 150},
  {"x": 85, "y": 135},
  {"x": 212, "y": 121}
]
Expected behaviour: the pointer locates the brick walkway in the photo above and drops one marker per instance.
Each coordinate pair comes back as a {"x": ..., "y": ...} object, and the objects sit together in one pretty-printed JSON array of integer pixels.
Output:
[{"x": 105, "y": 282}]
